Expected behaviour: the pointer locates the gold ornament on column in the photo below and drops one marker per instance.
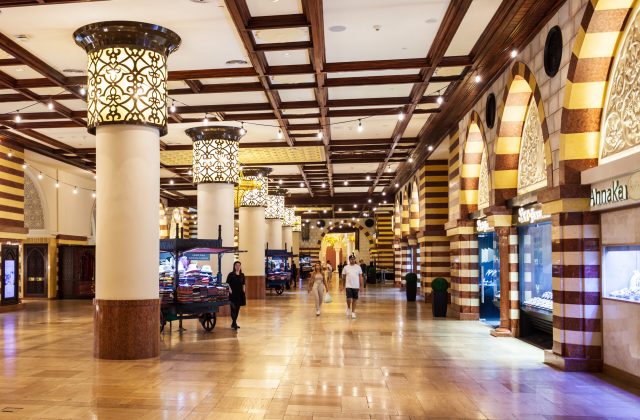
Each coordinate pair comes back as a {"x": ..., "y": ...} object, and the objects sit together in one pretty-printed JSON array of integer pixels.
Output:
[
  {"x": 215, "y": 154},
  {"x": 126, "y": 72}
]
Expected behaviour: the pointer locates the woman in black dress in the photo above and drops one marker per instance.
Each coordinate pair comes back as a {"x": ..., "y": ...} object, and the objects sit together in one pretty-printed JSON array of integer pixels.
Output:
[{"x": 235, "y": 280}]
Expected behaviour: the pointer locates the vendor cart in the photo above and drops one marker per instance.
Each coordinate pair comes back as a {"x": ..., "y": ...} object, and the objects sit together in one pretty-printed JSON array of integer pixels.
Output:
[
  {"x": 277, "y": 269},
  {"x": 192, "y": 294}
]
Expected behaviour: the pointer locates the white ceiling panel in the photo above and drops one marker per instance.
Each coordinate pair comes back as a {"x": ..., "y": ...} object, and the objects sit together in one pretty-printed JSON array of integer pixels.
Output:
[
  {"x": 370, "y": 91},
  {"x": 282, "y": 170},
  {"x": 298, "y": 111},
  {"x": 74, "y": 137},
  {"x": 21, "y": 72},
  {"x": 474, "y": 23},
  {"x": 271, "y": 7},
  {"x": 165, "y": 173},
  {"x": 360, "y": 40},
  {"x": 50, "y": 30},
  {"x": 298, "y": 190},
  {"x": 374, "y": 127},
  {"x": 449, "y": 71},
  {"x": 219, "y": 80},
  {"x": 288, "y": 95},
  {"x": 441, "y": 152},
  {"x": 272, "y": 36},
  {"x": 355, "y": 168},
  {"x": 416, "y": 124},
  {"x": 370, "y": 73},
  {"x": 74, "y": 104},
  {"x": 286, "y": 58},
  {"x": 351, "y": 190},
  {"x": 222, "y": 98}
]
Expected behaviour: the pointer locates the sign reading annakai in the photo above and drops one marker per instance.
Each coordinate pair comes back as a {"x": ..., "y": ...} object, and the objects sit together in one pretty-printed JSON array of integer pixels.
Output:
[{"x": 616, "y": 192}]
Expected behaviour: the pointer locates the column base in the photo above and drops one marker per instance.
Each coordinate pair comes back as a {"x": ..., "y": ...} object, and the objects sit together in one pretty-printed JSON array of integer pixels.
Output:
[
  {"x": 464, "y": 316},
  {"x": 255, "y": 287},
  {"x": 569, "y": 364},
  {"x": 126, "y": 329},
  {"x": 501, "y": 332}
]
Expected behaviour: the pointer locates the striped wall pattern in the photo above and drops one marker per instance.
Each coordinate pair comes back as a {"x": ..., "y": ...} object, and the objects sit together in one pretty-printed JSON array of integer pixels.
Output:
[
  {"x": 514, "y": 283},
  {"x": 434, "y": 247},
  {"x": 516, "y": 98},
  {"x": 454, "y": 176},
  {"x": 593, "y": 53},
  {"x": 464, "y": 271},
  {"x": 397, "y": 261},
  {"x": 414, "y": 209},
  {"x": 397, "y": 218},
  {"x": 470, "y": 173},
  {"x": 404, "y": 220},
  {"x": 384, "y": 241},
  {"x": 11, "y": 193},
  {"x": 577, "y": 328}
]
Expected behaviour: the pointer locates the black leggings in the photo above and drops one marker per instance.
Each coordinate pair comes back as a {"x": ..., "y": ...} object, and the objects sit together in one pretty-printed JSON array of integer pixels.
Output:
[{"x": 235, "y": 311}]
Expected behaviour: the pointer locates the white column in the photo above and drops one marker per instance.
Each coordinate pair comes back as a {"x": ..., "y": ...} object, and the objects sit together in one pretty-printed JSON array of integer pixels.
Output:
[
  {"x": 252, "y": 238},
  {"x": 127, "y": 234},
  {"x": 215, "y": 208},
  {"x": 287, "y": 237},
  {"x": 274, "y": 233}
]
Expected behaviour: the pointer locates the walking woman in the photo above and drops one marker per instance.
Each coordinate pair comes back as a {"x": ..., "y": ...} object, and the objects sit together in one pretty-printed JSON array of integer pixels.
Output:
[
  {"x": 318, "y": 286},
  {"x": 235, "y": 280}
]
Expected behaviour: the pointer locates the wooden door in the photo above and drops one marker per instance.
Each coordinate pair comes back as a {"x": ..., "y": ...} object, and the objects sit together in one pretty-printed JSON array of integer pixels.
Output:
[{"x": 35, "y": 270}]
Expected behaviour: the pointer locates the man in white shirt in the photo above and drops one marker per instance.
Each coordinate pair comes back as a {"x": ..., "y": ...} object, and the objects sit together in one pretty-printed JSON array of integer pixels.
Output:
[{"x": 352, "y": 280}]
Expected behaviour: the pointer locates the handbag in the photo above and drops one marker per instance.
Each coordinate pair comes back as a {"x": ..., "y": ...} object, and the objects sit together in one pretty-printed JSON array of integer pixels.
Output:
[{"x": 327, "y": 298}]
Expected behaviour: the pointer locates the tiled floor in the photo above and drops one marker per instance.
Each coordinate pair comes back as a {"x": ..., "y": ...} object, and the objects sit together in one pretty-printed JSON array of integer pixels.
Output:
[{"x": 394, "y": 361}]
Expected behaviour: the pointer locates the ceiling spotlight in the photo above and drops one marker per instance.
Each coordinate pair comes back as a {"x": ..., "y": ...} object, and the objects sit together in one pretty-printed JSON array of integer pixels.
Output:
[
  {"x": 279, "y": 182},
  {"x": 75, "y": 190},
  {"x": 514, "y": 53},
  {"x": 360, "y": 127},
  {"x": 242, "y": 130},
  {"x": 302, "y": 185},
  {"x": 319, "y": 135},
  {"x": 440, "y": 100},
  {"x": 40, "y": 175},
  {"x": 17, "y": 118},
  {"x": 410, "y": 160},
  {"x": 171, "y": 182},
  {"x": 430, "y": 148},
  {"x": 323, "y": 185},
  {"x": 397, "y": 185},
  {"x": 339, "y": 208},
  {"x": 50, "y": 105},
  {"x": 477, "y": 79},
  {"x": 172, "y": 108},
  {"x": 369, "y": 200},
  {"x": 83, "y": 91},
  {"x": 280, "y": 135},
  {"x": 368, "y": 178},
  {"x": 346, "y": 183},
  {"x": 401, "y": 116}
]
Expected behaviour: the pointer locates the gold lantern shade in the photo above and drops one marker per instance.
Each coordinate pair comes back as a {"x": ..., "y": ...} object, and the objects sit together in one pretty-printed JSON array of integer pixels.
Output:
[
  {"x": 289, "y": 218},
  {"x": 215, "y": 154},
  {"x": 126, "y": 73},
  {"x": 256, "y": 196},
  {"x": 244, "y": 187},
  {"x": 275, "y": 205}
]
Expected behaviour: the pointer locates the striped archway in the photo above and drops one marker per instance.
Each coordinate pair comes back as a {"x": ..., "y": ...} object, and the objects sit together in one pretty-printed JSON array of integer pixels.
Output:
[
  {"x": 474, "y": 148},
  {"x": 521, "y": 90},
  {"x": 361, "y": 228},
  {"x": 414, "y": 208}
]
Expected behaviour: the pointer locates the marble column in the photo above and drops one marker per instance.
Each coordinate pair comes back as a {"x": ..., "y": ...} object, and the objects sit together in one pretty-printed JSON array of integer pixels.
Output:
[
  {"x": 274, "y": 233},
  {"x": 127, "y": 112},
  {"x": 274, "y": 215}
]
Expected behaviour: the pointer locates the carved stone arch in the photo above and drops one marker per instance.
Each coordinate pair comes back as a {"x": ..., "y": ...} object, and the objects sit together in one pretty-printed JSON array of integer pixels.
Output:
[
  {"x": 520, "y": 91},
  {"x": 35, "y": 208},
  {"x": 585, "y": 92},
  {"x": 532, "y": 167},
  {"x": 475, "y": 169}
]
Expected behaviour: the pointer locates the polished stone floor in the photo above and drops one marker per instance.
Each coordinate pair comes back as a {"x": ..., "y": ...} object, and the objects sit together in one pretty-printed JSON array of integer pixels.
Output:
[{"x": 393, "y": 361}]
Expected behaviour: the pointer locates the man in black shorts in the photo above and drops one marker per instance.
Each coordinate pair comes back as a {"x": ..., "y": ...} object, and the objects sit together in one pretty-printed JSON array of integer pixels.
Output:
[{"x": 351, "y": 279}]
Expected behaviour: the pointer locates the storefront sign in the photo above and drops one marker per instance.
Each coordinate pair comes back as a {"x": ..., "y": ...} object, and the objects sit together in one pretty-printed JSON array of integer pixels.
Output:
[
  {"x": 197, "y": 256},
  {"x": 616, "y": 192},
  {"x": 530, "y": 215},
  {"x": 482, "y": 225}
]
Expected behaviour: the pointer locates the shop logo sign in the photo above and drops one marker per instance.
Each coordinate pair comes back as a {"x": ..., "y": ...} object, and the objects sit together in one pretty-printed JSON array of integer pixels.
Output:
[
  {"x": 530, "y": 215},
  {"x": 614, "y": 193},
  {"x": 482, "y": 225}
]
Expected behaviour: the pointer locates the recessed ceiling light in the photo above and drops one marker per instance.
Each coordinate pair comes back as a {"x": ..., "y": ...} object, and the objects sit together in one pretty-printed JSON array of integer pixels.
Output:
[
  {"x": 337, "y": 28},
  {"x": 233, "y": 62}
]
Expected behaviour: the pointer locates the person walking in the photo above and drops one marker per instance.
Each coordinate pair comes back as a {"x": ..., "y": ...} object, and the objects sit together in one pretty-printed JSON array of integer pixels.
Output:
[
  {"x": 352, "y": 281},
  {"x": 237, "y": 296},
  {"x": 294, "y": 273},
  {"x": 318, "y": 286},
  {"x": 363, "y": 267}
]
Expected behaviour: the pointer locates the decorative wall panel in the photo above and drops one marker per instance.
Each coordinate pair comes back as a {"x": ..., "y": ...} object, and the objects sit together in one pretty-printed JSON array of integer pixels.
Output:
[
  {"x": 483, "y": 181},
  {"x": 532, "y": 166},
  {"x": 33, "y": 212}
]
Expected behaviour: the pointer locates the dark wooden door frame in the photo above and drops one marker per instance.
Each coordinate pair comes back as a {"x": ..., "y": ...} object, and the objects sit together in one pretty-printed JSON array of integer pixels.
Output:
[{"x": 25, "y": 267}]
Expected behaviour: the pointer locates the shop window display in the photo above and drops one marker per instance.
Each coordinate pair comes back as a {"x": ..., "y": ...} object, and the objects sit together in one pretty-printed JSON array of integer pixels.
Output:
[
  {"x": 621, "y": 272},
  {"x": 195, "y": 283},
  {"x": 489, "y": 276},
  {"x": 535, "y": 267}
]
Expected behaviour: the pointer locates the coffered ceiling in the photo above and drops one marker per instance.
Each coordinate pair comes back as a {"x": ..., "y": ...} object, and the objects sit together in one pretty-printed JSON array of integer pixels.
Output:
[{"x": 301, "y": 66}]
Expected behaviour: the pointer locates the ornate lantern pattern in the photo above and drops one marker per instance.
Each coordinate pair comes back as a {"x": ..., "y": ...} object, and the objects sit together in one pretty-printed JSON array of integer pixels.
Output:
[
  {"x": 297, "y": 225},
  {"x": 127, "y": 73},
  {"x": 257, "y": 196},
  {"x": 275, "y": 205},
  {"x": 215, "y": 154},
  {"x": 289, "y": 218}
]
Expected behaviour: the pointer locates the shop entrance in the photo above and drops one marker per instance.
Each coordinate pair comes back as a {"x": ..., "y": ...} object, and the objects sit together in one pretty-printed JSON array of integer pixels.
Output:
[
  {"x": 9, "y": 291},
  {"x": 35, "y": 270},
  {"x": 76, "y": 272},
  {"x": 489, "y": 278}
]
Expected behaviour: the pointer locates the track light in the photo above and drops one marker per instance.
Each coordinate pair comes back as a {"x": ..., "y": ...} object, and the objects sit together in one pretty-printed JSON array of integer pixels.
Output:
[{"x": 360, "y": 127}]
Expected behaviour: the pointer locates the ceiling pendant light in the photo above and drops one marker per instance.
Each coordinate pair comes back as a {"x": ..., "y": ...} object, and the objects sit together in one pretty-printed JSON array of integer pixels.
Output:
[
  {"x": 40, "y": 176},
  {"x": 57, "y": 184},
  {"x": 205, "y": 120},
  {"x": 397, "y": 185},
  {"x": 369, "y": 201},
  {"x": 279, "y": 182},
  {"x": 242, "y": 130},
  {"x": 368, "y": 178},
  {"x": 346, "y": 183},
  {"x": 360, "y": 127},
  {"x": 410, "y": 160},
  {"x": 477, "y": 79},
  {"x": 24, "y": 166},
  {"x": 320, "y": 135},
  {"x": 324, "y": 185},
  {"x": 83, "y": 91},
  {"x": 401, "y": 116},
  {"x": 50, "y": 105},
  {"x": 355, "y": 206},
  {"x": 430, "y": 148},
  {"x": 440, "y": 100},
  {"x": 171, "y": 182},
  {"x": 302, "y": 185},
  {"x": 172, "y": 108},
  {"x": 280, "y": 135},
  {"x": 17, "y": 118},
  {"x": 339, "y": 208},
  {"x": 10, "y": 154},
  {"x": 75, "y": 190},
  {"x": 384, "y": 193},
  {"x": 93, "y": 194},
  {"x": 514, "y": 53}
]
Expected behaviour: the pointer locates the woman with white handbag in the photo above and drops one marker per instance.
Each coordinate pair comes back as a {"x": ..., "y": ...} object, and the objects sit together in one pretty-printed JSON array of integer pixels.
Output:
[{"x": 318, "y": 286}]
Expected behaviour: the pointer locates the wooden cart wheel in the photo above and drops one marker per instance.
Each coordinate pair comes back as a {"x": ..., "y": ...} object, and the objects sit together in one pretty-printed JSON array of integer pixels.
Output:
[
  {"x": 279, "y": 290},
  {"x": 208, "y": 321},
  {"x": 163, "y": 321}
]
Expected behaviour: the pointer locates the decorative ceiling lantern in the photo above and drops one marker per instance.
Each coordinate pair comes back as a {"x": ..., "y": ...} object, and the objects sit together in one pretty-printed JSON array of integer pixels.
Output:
[
  {"x": 256, "y": 196},
  {"x": 244, "y": 186},
  {"x": 289, "y": 218},
  {"x": 127, "y": 73},
  {"x": 275, "y": 205},
  {"x": 215, "y": 154},
  {"x": 297, "y": 225}
]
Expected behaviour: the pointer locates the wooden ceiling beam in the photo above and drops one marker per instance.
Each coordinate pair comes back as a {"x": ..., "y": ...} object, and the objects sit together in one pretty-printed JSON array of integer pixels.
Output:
[
  {"x": 254, "y": 23},
  {"x": 283, "y": 46}
]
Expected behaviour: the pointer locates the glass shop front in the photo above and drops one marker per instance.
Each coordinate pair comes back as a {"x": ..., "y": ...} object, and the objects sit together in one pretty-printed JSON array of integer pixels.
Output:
[{"x": 488, "y": 274}]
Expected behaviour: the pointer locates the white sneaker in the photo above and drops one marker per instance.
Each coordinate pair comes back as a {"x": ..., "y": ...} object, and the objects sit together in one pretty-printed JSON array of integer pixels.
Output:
[
  {"x": 353, "y": 315},
  {"x": 348, "y": 312},
  {"x": 317, "y": 313}
]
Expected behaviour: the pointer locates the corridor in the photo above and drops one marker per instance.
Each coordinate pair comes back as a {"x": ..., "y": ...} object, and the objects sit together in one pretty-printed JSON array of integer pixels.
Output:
[{"x": 394, "y": 361}]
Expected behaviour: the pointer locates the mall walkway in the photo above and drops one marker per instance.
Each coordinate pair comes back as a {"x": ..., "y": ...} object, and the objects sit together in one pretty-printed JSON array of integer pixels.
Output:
[{"x": 394, "y": 361}]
